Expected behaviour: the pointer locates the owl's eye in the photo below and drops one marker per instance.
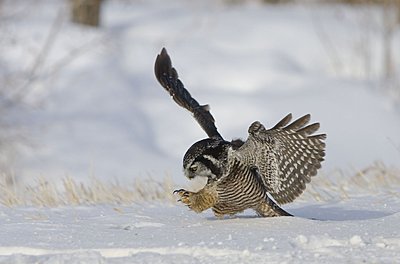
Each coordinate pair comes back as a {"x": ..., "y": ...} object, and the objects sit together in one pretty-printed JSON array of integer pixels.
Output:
[{"x": 193, "y": 168}]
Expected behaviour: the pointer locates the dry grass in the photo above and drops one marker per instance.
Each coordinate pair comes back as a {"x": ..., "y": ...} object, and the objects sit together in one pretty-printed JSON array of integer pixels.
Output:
[
  {"x": 337, "y": 185},
  {"x": 71, "y": 192}
]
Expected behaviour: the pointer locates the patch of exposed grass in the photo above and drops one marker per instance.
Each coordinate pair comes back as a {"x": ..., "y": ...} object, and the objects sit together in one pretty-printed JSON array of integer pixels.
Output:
[
  {"x": 96, "y": 191},
  {"x": 337, "y": 185}
]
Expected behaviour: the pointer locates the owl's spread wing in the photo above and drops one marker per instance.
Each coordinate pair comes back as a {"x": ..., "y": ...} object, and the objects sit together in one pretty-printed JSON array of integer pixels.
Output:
[
  {"x": 167, "y": 76},
  {"x": 287, "y": 155}
]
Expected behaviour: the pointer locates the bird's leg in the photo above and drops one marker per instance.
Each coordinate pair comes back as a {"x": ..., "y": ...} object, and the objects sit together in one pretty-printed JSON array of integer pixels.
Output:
[{"x": 198, "y": 201}]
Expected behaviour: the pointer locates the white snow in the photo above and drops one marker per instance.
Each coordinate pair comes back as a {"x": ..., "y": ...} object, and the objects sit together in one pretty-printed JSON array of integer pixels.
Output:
[
  {"x": 96, "y": 109},
  {"x": 357, "y": 230}
]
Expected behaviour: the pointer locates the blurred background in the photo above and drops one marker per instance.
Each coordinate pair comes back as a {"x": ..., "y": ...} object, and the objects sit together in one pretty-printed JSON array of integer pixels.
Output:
[{"x": 78, "y": 97}]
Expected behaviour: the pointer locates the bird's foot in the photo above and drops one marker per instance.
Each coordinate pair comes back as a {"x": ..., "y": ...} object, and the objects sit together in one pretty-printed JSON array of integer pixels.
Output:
[
  {"x": 184, "y": 196},
  {"x": 197, "y": 201}
]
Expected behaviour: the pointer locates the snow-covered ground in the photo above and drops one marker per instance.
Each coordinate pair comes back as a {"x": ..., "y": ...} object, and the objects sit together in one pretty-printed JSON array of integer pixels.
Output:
[
  {"x": 94, "y": 108},
  {"x": 363, "y": 230}
]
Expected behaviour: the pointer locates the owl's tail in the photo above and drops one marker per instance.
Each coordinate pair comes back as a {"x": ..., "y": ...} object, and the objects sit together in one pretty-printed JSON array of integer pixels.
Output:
[{"x": 270, "y": 209}]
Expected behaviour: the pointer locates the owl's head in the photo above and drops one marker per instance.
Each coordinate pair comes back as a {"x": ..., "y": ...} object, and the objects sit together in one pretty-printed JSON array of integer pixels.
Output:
[{"x": 206, "y": 158}]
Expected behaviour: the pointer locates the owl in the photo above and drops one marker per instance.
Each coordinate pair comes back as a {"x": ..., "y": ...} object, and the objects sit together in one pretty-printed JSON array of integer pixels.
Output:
[{"x": 270, "y": 168}]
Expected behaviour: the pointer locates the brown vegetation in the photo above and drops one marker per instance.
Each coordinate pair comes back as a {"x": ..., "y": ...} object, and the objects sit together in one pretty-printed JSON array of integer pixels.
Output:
[{"x": 338, "y": 185}]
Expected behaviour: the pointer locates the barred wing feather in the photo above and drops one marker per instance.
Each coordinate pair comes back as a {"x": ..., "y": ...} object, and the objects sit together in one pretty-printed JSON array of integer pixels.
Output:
[{"x": 287, "y": 155}]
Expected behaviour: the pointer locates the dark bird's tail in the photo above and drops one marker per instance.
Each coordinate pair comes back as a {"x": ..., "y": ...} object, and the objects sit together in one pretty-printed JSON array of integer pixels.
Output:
[{"x": 270, "y": 209}]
